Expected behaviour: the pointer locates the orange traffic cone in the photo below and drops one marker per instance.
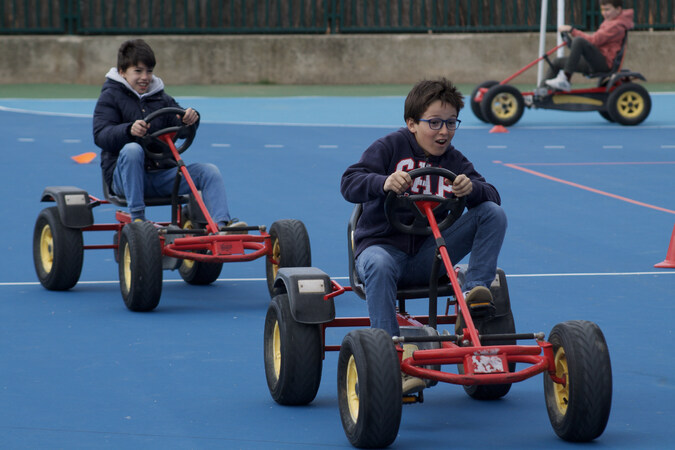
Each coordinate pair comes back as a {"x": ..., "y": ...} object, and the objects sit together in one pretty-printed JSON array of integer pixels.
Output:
[
  {"x": 669, "y": 262},
  {"x": 499, "y": 129},
  {"x": 84, "y": 158}
]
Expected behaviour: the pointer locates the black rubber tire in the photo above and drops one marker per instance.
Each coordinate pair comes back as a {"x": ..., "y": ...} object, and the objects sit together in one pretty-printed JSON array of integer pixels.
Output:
[
  {"x": 369, "y": 388},
  {"x": 629, "y": 104},
  {"x": 195, "y": 272},
  {"x": 475, "y": 106},
  {"x": 140, "y": 266},
  {"x": 58, "y": 251},
  {"x": 290, "y": 248},
  {"x": 605, "y": 115},
  {"x": 502, "y": 104},
  {"x": 579, "y": 410},
  {"x": 293, "y": 355}
]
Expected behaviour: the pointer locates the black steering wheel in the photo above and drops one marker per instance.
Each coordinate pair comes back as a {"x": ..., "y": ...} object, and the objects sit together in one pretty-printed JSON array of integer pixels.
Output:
[
  {"x": 567, "y": 38},
  {"x": 394, "y": 204},
  {"x": 156, "y": 148}
]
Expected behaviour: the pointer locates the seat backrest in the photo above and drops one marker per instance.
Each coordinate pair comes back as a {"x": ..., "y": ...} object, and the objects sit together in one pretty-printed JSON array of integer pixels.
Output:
[
  {"x": 354, "y": 281},
  {"x": 617, "y": 62}
]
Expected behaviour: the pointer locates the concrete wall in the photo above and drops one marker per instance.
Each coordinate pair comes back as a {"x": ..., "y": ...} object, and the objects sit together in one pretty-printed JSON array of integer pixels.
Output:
[{"x": 309, "y": 59}]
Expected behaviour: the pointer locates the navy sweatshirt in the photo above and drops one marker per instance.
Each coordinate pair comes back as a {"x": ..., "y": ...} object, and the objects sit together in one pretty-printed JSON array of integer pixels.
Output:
[{"x": 363, "y": 183}]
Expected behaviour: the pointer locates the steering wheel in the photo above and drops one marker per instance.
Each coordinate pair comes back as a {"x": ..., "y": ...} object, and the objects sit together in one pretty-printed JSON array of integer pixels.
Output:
[
  {"x": 394, "y": 204},
  {"x": 567, "y": 38},
  {"x": 154, "y": 147}
]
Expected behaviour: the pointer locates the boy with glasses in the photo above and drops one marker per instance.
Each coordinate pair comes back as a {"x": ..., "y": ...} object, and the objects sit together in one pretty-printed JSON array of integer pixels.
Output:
[{"x": 386, "y": 258}]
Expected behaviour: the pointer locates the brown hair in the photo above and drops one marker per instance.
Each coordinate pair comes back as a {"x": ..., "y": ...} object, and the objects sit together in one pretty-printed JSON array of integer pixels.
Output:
[
  {"x": 425, "y": 92},
  {"x": 134, "y": 51}
]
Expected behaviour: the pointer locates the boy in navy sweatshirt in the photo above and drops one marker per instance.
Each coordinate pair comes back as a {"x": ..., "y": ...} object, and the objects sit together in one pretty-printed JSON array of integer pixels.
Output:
[
  {"x": 386, "y": 258},
  {"x": 131, "y": 92}
]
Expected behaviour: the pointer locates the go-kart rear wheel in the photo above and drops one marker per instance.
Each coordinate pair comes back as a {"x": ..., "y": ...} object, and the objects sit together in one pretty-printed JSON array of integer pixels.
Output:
[
  {"x": 475, "y": 106},
  {"x": 58, "y": 251},
  {"x": 290, "y": 248},
  {"x": 140, "y": 266},
  {"x": 629, "y": 104},
  {"x": 293, "y": 355},
  {"x": 195, "y": 272},
  {"x": 579, "y": 409},
  {"x": 369, "y": 388},
  {"x": 502, "y": 105}
]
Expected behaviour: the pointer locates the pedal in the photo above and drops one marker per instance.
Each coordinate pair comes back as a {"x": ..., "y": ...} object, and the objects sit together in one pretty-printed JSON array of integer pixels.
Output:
[{"x": 410, "y": 399}]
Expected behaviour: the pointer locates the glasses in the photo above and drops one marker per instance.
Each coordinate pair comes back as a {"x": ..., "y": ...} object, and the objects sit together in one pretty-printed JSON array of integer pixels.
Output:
[{"x": 436, "y": 124}]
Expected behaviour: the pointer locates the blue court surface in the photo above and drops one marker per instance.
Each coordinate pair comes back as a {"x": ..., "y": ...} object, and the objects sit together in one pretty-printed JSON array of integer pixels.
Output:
[{"x": 591, "y": 209}]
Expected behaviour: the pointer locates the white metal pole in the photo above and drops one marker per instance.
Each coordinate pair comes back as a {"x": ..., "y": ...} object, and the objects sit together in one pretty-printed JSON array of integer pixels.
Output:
[
  {"x": 542, "y": 40},
  {"x": 561, "y": 21}
]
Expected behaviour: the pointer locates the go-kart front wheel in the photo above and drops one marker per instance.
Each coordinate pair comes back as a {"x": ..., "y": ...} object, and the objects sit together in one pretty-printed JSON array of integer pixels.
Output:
[
  {"x": 140, "y": 266},
  {"x": 502, "y": 105},
  {"x": 579, "y": 409},
  {"x": 369, "y": 388},
  {"x": 629, "y": 104},
  {"x": 293, "y": 355},
  {"x": 58, "y": 251},
  {"x": 290, "y": 248}
]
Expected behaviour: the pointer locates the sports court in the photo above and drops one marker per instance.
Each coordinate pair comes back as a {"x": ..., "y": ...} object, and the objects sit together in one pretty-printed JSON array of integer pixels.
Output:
[{"x": 591, "y": 210}]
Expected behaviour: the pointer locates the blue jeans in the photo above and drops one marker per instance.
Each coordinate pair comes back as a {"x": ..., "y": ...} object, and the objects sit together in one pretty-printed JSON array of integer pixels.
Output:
[
  {"x": 131, "y": 180},
  {"x": 382, "y": 268}
]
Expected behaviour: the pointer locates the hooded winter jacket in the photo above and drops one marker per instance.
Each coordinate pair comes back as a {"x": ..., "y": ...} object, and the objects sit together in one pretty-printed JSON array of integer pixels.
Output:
[
  {"x": 117, "y": 108},
  {"x": 363, "y": 182},
  {"x": 609, "y": 35}
]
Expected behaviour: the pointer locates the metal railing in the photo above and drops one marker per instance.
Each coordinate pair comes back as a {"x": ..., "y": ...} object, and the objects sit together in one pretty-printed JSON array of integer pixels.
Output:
[{"x": 308, "y": 16}]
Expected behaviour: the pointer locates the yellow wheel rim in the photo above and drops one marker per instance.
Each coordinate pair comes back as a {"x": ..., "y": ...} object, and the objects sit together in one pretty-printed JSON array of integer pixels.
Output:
[
  {"x": 276, "y": 254},
  {"x": 562, "y": 393},
  {"x": 630, "y": 104},
  {"x": 276, "y": 349},
  {"x": 352, "y": 389},
  {"x": 126, "y": 264},
  {"x": 504, "y": 105},
  {"x": 47, "y": 248}
]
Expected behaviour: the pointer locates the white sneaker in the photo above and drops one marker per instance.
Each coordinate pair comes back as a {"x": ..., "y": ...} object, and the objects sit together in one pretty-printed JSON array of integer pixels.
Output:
[{"x": 560, "y": 82}]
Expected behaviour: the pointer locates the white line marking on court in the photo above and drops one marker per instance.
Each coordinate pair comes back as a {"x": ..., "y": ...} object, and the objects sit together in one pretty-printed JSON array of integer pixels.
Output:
[
  {"x": 497, "y": 146},
  {"x": 554, "y": 146},
  {"x": 219, "y": 145},
  {"x": 328, "y": 146},
  {"x": 72, "y": 141},
  {"x": 668, "y": 146},
  {"x": 612, "y": 146},
  {"x": 274, "y": 146},
  {"x": 521, "y": 275},
  {"x": 26, "y": 140}
]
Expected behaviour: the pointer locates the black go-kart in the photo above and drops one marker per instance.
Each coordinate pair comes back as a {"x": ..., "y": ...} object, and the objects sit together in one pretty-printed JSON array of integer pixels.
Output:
[{"x": 616, "y": 97}]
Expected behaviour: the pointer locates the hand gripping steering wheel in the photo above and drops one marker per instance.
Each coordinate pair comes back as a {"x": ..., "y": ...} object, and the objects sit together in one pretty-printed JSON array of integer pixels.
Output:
[
  {"x": 156, "y": 148},
  {"x": 394, "y": 204}
]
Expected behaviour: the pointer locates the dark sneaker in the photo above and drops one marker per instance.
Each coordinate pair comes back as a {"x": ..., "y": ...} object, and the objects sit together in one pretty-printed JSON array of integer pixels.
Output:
[{"x": 481, "y": 306}]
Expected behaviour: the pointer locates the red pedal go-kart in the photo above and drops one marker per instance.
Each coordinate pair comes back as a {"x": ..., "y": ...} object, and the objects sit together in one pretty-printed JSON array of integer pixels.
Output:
[
  {"x": 617, "y": 98},
  {"x": 574, "y": 360},
  {"x": 190, "y": 242}
]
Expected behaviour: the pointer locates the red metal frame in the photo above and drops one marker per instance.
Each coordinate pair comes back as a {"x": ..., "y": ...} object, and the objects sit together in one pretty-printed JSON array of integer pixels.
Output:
[
  {"x": 219, "y": 248},
  {"x": 539, "y": 358}
]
